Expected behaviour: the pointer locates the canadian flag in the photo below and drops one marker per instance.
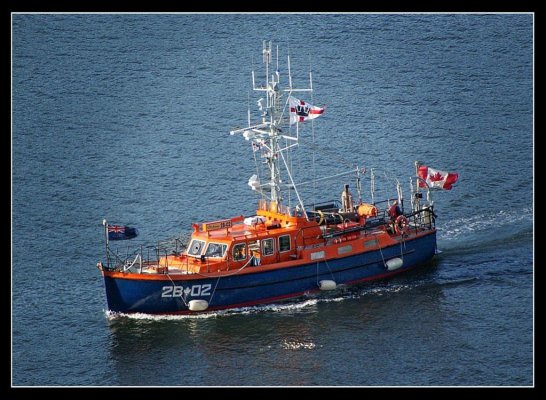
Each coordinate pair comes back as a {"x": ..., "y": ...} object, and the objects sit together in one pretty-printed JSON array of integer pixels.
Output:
[
  {"x": 436, "y": 178},
  {"x": 301, "y": 111}
]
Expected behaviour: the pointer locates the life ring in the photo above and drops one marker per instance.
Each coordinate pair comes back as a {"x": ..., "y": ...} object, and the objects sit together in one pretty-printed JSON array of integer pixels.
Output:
[{"x": 401, "y": 224}]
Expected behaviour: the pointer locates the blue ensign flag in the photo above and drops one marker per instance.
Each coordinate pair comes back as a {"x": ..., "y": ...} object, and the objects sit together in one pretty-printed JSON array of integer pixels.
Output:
[{"x": 118, "y": 232}]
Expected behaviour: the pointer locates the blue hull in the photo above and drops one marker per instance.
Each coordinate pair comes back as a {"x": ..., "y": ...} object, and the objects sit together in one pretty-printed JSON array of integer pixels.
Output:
[{"x": 172, "y": 297}]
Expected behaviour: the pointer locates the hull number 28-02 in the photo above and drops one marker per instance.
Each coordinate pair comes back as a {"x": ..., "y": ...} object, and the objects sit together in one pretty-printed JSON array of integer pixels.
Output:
[{"x": 179, "y": 291}]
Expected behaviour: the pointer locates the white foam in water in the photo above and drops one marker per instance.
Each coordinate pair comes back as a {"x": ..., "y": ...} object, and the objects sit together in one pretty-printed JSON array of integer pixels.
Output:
[
  {"x": 483, "y": 222},
  {"x": 297, "y": 345},
  {"x": 261, "y": 308},
  {"x": 234, "y": 311},
  {"x": 385, "y": 290},
  {"x": 213, "y": 314}
]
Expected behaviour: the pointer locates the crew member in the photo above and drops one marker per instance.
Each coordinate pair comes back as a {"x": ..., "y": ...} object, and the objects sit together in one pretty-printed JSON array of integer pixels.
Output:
[
  {"x": 395, "y": 211},
  {"x": 346, "y": 200}
]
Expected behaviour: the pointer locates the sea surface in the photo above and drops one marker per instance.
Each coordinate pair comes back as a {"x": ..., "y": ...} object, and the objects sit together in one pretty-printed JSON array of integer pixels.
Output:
[{"x": 127, "y": 117}]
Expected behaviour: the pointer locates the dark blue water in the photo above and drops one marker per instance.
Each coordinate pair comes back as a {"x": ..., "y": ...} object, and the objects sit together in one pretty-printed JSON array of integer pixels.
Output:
[{"x": 126, "y": 117}]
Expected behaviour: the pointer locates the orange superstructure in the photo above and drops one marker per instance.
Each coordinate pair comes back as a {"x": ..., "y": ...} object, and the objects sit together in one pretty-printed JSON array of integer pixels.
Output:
[{"x": 277, "y": 239}]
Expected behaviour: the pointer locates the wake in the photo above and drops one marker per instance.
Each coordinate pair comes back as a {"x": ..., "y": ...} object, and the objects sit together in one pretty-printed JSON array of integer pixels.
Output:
[{"x": 486, "y": 222}]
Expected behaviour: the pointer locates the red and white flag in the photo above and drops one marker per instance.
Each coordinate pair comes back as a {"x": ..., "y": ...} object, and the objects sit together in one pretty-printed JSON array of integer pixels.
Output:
[
  {"x": 436, "y": 178},
  {"x": 301, "y": 110}
]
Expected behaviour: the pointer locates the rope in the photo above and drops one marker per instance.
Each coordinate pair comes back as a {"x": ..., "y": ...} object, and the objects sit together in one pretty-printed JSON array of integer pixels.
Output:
[
  {"x": 217, "y": 281},
  {"x": 330, "y": 154},
  {"x": 116, "y": 256},
  {"x": 382, "y": 257},
  {"x": 184, "y": 300},
  {"x": 133, "y": 263},
  {"x": 329, "y": 270},
  {"x": 403, "y": 242},
  {"x": 258, "y": 172},
  {"x": 234, "y": 272},
  {"x": 181, "y": 297},
  {"x": 214, "y": 290},
  {"x": 331, "y": 274}
]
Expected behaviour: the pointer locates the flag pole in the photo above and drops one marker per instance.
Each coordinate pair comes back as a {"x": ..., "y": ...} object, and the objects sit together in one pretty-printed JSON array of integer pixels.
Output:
[
  {"x": 105, "y": 224},
  {"x": 417, "y": 173},
  {"x": 411, "y": 194},
  {"x": 417, "y": 185},
  {"x": 372, "y": 185}
]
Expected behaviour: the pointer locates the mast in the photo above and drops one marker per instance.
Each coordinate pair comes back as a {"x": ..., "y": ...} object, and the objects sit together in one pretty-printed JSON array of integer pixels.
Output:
[
  {"x": 267, "y": 135},
  {"x": 273, "y": 103}
]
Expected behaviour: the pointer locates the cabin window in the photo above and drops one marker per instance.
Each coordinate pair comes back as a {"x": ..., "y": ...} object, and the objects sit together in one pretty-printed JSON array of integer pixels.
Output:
[
  {"x": 267, "y": 247},
  {"x": 216, "y": 250},
  {"x": 239, "y": 251},
  {"x": 284, "y": 243},
  {"x": 196, "y": 247}
]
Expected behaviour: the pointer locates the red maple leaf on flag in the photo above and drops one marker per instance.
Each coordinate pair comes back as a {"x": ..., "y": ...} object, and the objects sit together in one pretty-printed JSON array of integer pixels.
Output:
[{"x": 436, "y": 177}]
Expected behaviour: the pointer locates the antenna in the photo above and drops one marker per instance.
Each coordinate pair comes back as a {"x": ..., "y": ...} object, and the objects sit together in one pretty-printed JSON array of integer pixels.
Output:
[
  {"x": 289, "y": 74},
  {"x": 266, "y": 52},
  {"x": 248, "y": 103},
  {"x": 267, "y": 60}
]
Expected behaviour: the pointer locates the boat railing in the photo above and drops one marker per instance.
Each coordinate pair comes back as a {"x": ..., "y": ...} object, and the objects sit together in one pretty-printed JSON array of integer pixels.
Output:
[
  {"x": 119, "y": 259},
  {"x": 420, "y": 220},
  {"x": 423, "y": 219},
  {"x": 384, "y": 205},
  {"x": 264, "y": 205}
]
